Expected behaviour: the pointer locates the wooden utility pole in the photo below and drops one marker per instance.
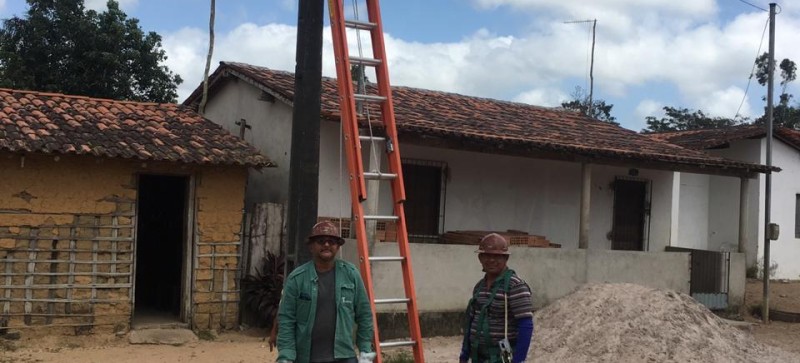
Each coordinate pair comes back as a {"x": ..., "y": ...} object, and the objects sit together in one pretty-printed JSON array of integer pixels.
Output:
[
  {"x": 768, "y": 184},
  {"x": 202, "y": 108},
  {"x": 304, "y": 157}
]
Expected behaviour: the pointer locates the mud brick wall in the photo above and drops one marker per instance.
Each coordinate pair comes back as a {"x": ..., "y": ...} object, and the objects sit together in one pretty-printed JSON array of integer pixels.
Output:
[
  {"x": 67, "y": 229},
  {"x": 219, "y": 201},
  {"x": 66, "y": 242}
]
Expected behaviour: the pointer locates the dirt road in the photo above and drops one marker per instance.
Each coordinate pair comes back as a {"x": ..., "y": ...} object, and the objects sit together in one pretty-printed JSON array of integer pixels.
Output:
[
  {"x": 248, "y": 346},
  {"x": 244, "y": 347}
]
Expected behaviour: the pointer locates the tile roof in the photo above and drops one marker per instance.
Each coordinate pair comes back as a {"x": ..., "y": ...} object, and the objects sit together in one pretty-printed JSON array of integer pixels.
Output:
[
  {"x": 515, "y": 128},
  {"x": 63, "y": 124},
  {"x": 720, "y": 137}
]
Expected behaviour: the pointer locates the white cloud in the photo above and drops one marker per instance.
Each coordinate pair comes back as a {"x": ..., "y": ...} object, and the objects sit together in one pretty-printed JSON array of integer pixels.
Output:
[
  {"x": 724, "y": 103},
  {"x": 548, "y": 97},
  {"x": 101, "y": 5},
  {"x": 705, "y": 61},
  {"x": 270, "y": 45},
  {"x": 619, "y": 17},
  {"x": 649, "y": 107},
  {"x": 2, "y": 6}
]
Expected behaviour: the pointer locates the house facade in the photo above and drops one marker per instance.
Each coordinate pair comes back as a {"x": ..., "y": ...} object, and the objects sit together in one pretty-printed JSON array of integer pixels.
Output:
[
  {"x": 714, "y": 199},
  {"x": 479, "y": 164},
  {"x": 116, "y": 214}
]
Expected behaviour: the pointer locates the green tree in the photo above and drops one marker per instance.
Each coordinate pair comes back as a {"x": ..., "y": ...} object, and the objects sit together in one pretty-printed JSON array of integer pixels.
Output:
[
  {"x": 784, "y": 114},
  {"x": 59, "y": 46},
  {"x": 599, "y": 110},
  {"x": 682, "y": 119}
]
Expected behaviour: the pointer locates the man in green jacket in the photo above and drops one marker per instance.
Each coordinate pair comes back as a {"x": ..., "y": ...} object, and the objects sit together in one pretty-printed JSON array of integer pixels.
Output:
[{"x": 323, "y": 300}]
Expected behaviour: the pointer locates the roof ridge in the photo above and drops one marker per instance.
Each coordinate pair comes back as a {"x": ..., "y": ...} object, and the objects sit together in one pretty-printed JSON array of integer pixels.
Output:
[
  {"x": 84, "y": 97},
  {"x": 424, "y": 90}
]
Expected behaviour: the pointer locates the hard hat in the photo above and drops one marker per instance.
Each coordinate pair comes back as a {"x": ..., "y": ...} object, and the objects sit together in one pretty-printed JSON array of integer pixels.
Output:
[
  {"x": 326, "y": 229},
  {"x": 494, "y": 244}
]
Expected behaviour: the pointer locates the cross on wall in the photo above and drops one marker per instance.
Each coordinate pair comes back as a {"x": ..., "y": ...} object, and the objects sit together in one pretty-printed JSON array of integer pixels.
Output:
[{"x": 243, "y": 126}]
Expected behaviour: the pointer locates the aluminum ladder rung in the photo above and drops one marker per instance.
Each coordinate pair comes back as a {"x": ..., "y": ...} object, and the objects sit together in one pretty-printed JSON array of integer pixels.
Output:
[
  {"x": 380, "y": 218},
  {"x": 368, "y": 98},
  {"x": 360, "y": 25},
  {"x": 386, "y": 258},
  {"x": 372, "y": 138},
  {"x": 372, "y": 62},
  {"x": 399, "y": 300},
  {"x": 362, "y": 174},
  {"x": 406, "y": 343},
  {"x": 379, "y": 176}
]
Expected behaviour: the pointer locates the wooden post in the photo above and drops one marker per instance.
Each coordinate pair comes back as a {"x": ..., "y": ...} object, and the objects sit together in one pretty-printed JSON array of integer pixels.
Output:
[
  {"x": 586, "y": 191},
  {"x": 7, "y": 304},
  {"x": 743, "y": 201},
  {"x": 31, "y": 271},
  {"x": 266, "y": 231},
  {"x": 304, "y": 157}
]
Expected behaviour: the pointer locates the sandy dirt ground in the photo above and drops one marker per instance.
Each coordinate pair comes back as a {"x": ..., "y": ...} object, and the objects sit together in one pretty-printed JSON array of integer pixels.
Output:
[
  {"x": 249, "y": 346},
  {"x": 784, "y": 296},
  {"x": 232, "y": 347}
]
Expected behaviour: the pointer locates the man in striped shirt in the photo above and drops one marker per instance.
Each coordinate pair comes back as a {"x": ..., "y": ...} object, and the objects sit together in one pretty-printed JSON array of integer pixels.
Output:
[{"x": 499, "y": 323}]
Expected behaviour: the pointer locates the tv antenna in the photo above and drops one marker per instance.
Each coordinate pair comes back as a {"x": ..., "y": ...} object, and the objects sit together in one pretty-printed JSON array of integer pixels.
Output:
[{"x": 591, "y": 64}]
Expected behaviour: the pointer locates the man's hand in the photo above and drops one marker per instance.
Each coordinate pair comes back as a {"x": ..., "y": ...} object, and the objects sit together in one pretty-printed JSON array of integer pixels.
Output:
[
  {"x": 272, "y": 341},
  {"x": 366, "y": 357}
]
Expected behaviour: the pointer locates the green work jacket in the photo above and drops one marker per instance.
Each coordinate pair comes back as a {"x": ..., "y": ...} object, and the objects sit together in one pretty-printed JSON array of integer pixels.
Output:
[{"x": 299, "y": 307}]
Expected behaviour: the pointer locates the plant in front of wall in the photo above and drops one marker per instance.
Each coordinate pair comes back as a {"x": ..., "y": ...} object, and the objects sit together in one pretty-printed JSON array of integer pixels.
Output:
[
  {"x": 402, "y": 356},
  {"x": 262, "y": 290}
]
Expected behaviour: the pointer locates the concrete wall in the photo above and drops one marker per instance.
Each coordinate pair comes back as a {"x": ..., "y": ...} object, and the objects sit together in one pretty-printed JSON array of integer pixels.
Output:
[
  {"x": 497, "y": 192},
  {"x": 446, "y": 274},
  {"x": 709, "y": 206},
  {"x": 785, "y": 188},
  {"x": 270, "y": 133},
  {"x": 693, "y": 216},
  {"x": 724, "y": 203},
  {"x": 55, "y": 204},
  {"x": 736, "y": 280}
]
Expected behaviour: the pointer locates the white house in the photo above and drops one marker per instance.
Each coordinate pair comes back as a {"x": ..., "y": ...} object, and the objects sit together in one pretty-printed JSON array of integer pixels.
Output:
[
  {"x": 715, "y": 198},
  {"x": 481, "y": 164}
]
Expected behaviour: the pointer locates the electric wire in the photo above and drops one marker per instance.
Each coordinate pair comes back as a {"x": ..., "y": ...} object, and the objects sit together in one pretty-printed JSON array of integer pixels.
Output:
[
  {"x": 755, "y": 6},
  {"x": 752, "y": 71},
  {"x": 373, "y": 155},
  {"x": 362, "y": 80}
]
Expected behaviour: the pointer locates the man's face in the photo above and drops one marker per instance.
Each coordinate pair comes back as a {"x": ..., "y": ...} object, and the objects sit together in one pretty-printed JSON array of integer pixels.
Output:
[
  {"x": 323, "y": 248},
  {"x": 493, "y": 264}
]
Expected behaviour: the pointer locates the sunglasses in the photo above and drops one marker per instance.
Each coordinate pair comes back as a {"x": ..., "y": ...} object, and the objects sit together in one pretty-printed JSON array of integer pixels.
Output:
[{"x": 324, "y": 241}]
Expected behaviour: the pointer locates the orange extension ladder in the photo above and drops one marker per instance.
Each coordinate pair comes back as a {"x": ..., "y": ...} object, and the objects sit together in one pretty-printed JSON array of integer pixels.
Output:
[{"x": 357, "y": 176}]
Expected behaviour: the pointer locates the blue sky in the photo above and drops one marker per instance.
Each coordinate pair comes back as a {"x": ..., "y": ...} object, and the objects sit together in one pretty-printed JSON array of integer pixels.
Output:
[{"x": 649, "y": 54}]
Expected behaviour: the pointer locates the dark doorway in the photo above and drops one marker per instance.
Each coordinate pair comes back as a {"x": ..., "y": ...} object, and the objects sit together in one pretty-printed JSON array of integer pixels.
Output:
[
  {"x": 423, "y": 184},
  {"x": 630, "y": 210},
  {"x": 160, "y": 240}
]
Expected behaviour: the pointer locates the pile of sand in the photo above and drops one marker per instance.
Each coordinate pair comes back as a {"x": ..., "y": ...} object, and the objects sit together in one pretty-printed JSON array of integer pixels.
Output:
[{"x": 632, "y": 323}]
